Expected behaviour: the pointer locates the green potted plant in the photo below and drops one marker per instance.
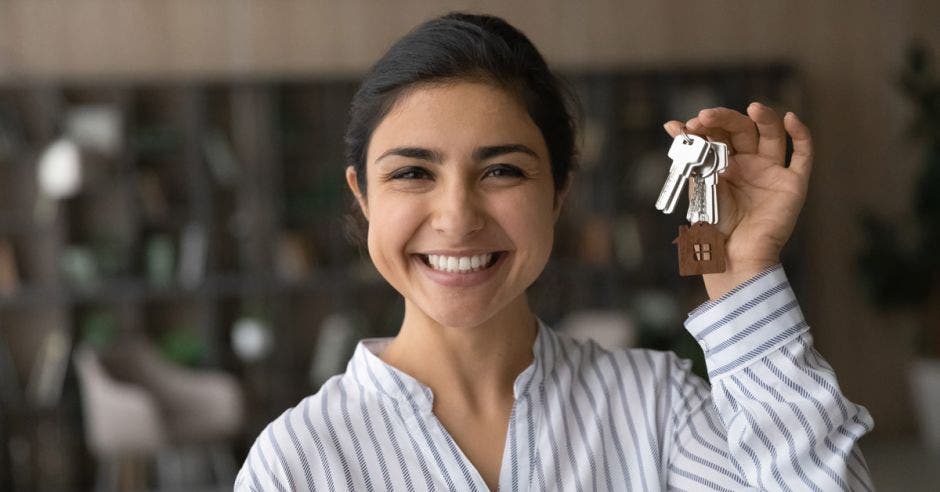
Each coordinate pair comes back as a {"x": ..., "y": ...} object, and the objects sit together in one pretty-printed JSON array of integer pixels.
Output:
[{"x": 903, "y": 272}]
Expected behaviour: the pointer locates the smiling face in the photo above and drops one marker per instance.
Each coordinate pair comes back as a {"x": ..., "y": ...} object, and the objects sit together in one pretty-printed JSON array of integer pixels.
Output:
[{"x": 460, "y": 201}]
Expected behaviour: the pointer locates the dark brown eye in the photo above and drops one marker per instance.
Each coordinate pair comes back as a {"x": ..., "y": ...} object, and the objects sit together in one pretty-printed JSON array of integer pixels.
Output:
[
  {"x": 411, "y": 173},
  {"x": 503, "y": 171}
]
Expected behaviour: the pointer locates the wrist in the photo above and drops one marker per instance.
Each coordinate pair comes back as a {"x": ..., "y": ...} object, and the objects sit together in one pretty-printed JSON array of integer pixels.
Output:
[{"x": 719, "y": 284}]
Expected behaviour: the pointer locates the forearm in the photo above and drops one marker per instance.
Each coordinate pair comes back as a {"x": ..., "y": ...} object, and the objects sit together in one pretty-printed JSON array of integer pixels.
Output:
[{"x": 786, "y": 422}]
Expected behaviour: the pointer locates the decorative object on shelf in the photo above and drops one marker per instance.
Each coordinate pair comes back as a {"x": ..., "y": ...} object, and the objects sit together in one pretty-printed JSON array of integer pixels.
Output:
[
  {"x": 9, "y": 274},
  {"x": 906, "y": 275},
  {"x": 221, "y": 159},
  {"x": 80, "y": 268},
  {"x": 60, "y": 176},
  {"x": 160, "y": 260},
  {"x": 251, "y": 339},
  {"x": 183, "y": 346},
  {"x": 99, "y": 329},
  {"x": 96, "y": 127}
]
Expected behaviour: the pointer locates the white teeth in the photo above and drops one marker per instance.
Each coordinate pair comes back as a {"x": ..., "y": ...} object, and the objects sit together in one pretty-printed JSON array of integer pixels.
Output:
[{"x": 462, "y": 264}]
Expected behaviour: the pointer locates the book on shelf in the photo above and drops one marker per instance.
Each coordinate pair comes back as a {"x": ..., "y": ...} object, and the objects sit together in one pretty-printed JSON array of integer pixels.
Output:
[
  {"x": 47, "y": 377},
  {"x": 192, "y": 262}
]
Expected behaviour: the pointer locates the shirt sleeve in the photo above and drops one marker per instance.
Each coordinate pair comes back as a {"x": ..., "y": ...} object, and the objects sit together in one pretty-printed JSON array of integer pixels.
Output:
[{"x": 774, "y": 417}]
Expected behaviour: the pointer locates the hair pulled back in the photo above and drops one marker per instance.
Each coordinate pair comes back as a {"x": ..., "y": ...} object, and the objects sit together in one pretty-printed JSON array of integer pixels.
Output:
[{"x": 460, "y": 46}]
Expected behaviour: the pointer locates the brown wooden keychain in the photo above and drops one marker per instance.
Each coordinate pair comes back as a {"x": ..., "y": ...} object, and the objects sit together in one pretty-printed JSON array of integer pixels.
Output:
[{"x": 701, "y": 249}]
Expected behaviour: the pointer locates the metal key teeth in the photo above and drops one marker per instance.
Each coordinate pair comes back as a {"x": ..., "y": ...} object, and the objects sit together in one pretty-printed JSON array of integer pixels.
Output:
[{"x": 703, "y": 202}]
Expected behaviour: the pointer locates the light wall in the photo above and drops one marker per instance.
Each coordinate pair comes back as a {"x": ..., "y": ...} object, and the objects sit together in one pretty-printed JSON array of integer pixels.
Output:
[{"x": 849, "y": 53}]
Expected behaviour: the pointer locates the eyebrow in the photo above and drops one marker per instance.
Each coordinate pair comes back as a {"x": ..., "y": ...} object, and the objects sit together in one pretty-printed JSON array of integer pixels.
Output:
[{"x": 480, "y": 154}]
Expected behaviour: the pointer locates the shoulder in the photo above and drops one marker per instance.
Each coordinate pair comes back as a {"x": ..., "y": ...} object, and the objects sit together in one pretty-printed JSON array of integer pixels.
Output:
[
  {"x": 301, "y": 444},
  {"x": 644, "y": 363},
  {"x": 646, "y": 371}
]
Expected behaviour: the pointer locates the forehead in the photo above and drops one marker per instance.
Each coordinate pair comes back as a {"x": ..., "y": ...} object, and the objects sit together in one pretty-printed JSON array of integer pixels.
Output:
[{"x": 455, "y": 117}]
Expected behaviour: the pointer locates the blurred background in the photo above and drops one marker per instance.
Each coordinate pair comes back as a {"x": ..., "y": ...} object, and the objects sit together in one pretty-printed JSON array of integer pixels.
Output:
[{"x": 174, "y": 264}]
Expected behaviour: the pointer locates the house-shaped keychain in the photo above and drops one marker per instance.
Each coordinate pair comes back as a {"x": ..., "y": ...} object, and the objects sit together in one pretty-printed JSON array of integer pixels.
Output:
[{"x": 701, "y": 249}]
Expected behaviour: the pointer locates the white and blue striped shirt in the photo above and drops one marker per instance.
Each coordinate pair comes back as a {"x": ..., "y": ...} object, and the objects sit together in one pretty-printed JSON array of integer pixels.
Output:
[{"x": 586, "y": 418}]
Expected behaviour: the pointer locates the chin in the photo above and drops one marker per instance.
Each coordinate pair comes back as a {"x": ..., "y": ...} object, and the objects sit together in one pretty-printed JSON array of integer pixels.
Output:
[
  {"x": 460, "y": 318},
  {"x": 469, "y": 314}
]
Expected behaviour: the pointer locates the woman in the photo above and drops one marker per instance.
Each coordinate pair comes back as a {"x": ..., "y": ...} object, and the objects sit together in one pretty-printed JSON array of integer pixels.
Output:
[{"x": 461, "y": 151}]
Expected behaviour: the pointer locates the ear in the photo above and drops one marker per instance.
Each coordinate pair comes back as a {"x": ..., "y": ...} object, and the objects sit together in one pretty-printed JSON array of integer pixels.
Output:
[
  {"x": 353, "y": 183},
  {"x": 561, "y": 195}
]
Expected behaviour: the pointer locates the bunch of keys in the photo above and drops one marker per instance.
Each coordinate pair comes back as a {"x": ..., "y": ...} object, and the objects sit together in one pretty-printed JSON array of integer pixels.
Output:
[{"x": 701, "y": 246}]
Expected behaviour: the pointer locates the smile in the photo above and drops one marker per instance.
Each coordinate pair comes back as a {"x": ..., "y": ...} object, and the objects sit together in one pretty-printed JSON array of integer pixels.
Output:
[{"x": 461, "y": 264}]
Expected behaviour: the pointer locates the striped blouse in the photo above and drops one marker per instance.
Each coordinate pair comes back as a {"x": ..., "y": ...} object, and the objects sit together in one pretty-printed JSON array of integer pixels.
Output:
[{"x": 588, "y": 418}]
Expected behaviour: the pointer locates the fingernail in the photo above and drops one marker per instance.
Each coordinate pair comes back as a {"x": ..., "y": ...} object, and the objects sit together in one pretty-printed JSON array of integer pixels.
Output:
[{"x": 666, "y": 126}]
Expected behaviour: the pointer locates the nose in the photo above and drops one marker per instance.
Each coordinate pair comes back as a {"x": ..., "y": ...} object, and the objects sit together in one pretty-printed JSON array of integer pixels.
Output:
[{"x": 457, "y": 211}]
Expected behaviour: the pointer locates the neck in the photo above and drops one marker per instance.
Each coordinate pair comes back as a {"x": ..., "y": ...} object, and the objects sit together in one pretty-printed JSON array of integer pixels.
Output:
[{"x": 473, "y": 367}]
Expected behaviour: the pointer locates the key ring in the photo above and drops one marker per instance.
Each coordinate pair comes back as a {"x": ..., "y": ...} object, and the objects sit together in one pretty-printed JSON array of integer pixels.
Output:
[
  {"x": 685, "y": 136},
  {"x": 731, "y": 150}
]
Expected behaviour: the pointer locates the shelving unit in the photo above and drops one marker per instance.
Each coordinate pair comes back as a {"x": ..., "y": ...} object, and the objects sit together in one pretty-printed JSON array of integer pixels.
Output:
[{"x": 255, "y": 169}]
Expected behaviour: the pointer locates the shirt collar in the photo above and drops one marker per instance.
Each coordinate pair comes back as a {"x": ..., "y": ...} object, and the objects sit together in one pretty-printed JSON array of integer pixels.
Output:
[{"x": 372, "y": 373}]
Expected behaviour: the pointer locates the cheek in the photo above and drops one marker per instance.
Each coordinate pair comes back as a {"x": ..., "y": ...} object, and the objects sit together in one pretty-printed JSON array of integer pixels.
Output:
[
  {"x": 391, "y": 224},
  {"x": 532, "y": 223}
]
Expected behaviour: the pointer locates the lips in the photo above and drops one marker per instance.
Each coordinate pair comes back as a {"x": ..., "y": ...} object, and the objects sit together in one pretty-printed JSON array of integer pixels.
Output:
[{"x": 468, "y": 277}]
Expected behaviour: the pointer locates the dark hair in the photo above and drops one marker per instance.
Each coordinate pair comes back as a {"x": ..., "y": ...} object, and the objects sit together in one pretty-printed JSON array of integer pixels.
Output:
[{"x": 461, "y": 46}]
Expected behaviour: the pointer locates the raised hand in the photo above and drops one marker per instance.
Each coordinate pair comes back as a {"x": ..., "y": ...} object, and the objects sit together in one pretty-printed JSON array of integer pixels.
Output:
[{"x": 760, "y": 196}]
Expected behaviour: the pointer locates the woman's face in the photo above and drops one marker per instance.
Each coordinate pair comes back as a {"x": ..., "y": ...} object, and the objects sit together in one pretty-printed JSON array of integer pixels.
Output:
[{"x": 461, "y": 202}]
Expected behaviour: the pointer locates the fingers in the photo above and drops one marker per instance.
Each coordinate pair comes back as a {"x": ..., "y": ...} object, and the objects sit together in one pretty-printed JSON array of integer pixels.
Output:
[
  {"x": 738, "y": 129},
  {"x": 674, "y": 128},
  {"x": 801, "y": 162},
  {"x": 772, "y": 143},
  {"x": 761, "y": 131},
  {"x": 719, "y": 134}
]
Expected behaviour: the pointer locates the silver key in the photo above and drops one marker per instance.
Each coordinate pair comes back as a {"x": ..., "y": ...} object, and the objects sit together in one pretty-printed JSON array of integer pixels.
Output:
[
  {"x": 705, "y": 185},
  {"x": 687, "y": 152}
]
